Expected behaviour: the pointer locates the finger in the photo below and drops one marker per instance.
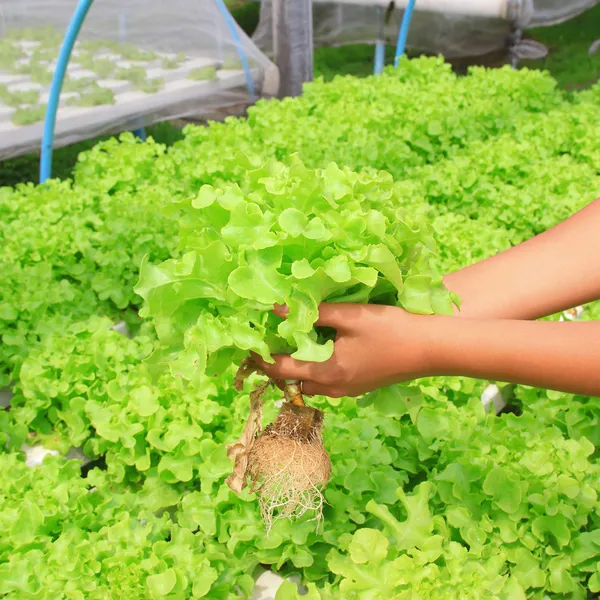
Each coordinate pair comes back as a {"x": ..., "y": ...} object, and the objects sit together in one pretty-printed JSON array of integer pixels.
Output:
[
  {"x": 337, "y": 315},
  {"x": 310, "y": 388},
  {"x": 285, "y": 367},
  {"x": 281, "y": 310}
]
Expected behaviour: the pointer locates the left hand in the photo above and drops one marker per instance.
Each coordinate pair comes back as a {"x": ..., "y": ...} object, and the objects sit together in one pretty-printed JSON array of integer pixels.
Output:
[{"x": 375, "y": 346}]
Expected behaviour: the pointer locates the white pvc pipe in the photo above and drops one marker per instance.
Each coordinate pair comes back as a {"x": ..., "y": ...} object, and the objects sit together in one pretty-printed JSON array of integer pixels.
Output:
[{"x": 502, "y": 9}]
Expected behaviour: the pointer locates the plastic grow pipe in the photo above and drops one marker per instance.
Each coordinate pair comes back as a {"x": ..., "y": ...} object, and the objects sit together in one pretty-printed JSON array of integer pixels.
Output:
[
  {"x": 238, "y": 42},
  {"x": 403, "y": 33},
  {"x": 379, "y": 45},
  {"x": 55, "y": 88}
]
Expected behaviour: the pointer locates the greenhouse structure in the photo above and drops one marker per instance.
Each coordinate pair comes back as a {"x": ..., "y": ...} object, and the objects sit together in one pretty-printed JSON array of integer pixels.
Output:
[
  {"x": 294, "y": 306},
  {"x": 454, "y": 28},
  {"x": 123, "y": 65}
]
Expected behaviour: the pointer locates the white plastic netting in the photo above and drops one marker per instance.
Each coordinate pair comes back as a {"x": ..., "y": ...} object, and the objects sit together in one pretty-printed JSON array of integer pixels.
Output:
[
  {"x": 455, "y": 28},
  {"x": 551, "y": 12},
  {"x": 136, "y": 62}
]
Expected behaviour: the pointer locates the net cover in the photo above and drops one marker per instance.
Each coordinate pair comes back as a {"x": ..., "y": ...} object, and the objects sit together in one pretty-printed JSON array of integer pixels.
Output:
[
  {"x": 136, "y": 62},
  {"x": 454, "y": 28}
]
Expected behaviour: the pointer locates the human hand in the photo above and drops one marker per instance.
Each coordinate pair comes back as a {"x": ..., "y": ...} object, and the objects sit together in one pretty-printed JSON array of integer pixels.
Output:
[{"x": 375, "y": 346}]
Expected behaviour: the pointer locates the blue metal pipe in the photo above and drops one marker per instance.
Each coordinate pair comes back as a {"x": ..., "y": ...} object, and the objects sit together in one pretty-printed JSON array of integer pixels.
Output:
[
  {"x": 140, "y": 133},
  {"x": 55, "y": 88},
  {"x": 403, "y": 33},
  {"x": 379, "y": 57},
  {"x": 229, "y": 20},
  {"x": 380, "y": 45}
]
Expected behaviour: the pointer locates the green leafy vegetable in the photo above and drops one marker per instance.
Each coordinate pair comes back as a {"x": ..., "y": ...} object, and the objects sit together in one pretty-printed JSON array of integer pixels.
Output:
[
  {"x": 429, "y": 496},
  {"x": 288, "y": 235}
]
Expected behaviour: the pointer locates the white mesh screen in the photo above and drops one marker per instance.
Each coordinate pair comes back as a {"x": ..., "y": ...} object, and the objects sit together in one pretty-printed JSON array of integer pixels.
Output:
[
  {"x": 551, "y": 12},
  {"x": 136, "y": 62},
  {"x": 454, "y": 31}
]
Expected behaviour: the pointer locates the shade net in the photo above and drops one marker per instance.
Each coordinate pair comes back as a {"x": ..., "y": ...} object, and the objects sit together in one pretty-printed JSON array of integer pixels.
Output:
[
  {"x": 452, "y": 34},
  {"x": 136, "y": 62}
]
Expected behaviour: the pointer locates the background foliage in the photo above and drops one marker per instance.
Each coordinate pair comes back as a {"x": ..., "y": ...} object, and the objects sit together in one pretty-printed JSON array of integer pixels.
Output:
[{"x": 430, "y": 496}]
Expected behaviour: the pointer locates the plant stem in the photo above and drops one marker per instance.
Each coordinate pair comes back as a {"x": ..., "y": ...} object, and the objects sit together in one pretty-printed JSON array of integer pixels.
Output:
[{"x": 293, "y": 393}]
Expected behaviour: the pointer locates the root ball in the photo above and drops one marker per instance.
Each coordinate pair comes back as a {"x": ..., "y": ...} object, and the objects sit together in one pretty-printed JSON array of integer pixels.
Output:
[{"x": 288, "y": 465}]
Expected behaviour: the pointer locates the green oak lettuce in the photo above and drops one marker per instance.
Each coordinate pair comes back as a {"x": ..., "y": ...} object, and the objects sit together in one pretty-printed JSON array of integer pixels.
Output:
[
  {"x": 288, "y": 235},
  {"x": 87, "y": 387},
  {"x": 70, "y": 252},
  {"x": 492, "y": 507},
  {"x": 429, "y": 496},
  {"x": 65, "y": 535}
]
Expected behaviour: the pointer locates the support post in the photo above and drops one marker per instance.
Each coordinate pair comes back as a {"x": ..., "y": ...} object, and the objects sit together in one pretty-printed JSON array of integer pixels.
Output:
[
  {"x": 293, "y": 44},
  {"x": 403, "y": 33},
  {"x": 62, "y": 62},
  {"x": 140, "y": 133},
  {"x": 380, "y": 44},
  {"x": 233, "y": 29}
]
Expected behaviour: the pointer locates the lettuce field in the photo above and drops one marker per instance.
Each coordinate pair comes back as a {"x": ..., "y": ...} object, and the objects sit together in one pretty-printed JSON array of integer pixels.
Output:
[{"x": 359, "y": 190}]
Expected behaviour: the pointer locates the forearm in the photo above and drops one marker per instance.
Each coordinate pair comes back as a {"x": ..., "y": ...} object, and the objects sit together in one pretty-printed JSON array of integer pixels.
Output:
[
  {"x": 554, "y": 271},
  {"x": 559, "y": 356}
]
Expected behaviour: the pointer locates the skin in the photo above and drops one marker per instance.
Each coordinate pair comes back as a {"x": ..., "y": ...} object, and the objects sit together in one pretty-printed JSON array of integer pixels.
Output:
[{"x": 494, "y": 335}]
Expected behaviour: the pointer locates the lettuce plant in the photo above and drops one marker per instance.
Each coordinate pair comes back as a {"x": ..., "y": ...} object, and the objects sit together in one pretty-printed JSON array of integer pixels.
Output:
[{"x": 288, "y": 235}]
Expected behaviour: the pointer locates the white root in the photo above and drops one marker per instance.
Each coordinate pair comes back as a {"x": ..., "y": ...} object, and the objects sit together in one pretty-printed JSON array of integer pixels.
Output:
[
  {"x": 239, "y": 451},
  {"x": 287, "y": 464},
  {"x": 293, "y": 488}
]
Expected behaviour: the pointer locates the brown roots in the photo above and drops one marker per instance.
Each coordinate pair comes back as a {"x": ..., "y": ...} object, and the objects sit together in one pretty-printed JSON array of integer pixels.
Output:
[{"x": 287, "y": 464}]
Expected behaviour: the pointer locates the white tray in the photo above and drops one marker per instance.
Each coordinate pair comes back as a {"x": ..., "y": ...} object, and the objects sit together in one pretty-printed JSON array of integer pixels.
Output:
[{"x": 129, "y": 107}]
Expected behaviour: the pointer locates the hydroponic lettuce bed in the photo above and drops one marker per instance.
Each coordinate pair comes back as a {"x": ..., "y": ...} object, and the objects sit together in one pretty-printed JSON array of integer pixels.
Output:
[
  {"x": 267, "y": 582},
  {"x": 432, "y": 494},
  {"x": 109, "y": 86}
]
